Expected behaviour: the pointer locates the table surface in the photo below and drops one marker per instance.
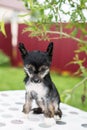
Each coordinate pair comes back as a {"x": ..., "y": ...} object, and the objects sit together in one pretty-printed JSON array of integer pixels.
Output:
[{"x": 12, "y": 117}]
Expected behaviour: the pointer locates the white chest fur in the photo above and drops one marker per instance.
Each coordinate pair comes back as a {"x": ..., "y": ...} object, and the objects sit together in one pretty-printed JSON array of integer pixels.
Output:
[{"x": 38, "y": 88}]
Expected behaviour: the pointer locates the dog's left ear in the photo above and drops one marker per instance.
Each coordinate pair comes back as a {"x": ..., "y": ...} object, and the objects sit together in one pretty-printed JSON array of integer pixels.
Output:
[
  {"x": 22, "y": 50},
  {"x": 50, "y": 50}
]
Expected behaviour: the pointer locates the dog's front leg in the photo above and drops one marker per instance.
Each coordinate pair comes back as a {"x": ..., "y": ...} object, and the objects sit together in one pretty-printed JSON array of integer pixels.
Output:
[
  {"x": 49, "y": 110},
  {"x": 49, "y": 114},
  {"x": 47, "y": 107},
  {"x": 28, "y": 103},
  {"x": 40, "y": 103}
]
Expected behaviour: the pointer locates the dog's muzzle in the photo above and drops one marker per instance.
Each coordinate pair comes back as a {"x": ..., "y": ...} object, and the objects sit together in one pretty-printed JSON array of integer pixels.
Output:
[{"x": 36, "y": 79}]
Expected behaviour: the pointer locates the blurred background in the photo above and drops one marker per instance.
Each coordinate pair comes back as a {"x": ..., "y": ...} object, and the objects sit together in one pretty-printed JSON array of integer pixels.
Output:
[{"x": 63, "y": 53}]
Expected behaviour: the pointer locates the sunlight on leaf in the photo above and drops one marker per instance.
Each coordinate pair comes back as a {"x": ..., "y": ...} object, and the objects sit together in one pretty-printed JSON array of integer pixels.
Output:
[{"x": 2, "y": 28}]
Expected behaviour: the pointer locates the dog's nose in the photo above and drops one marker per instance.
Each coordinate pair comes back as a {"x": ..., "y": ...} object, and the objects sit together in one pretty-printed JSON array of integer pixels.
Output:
[{"x": 36, "y": 80}]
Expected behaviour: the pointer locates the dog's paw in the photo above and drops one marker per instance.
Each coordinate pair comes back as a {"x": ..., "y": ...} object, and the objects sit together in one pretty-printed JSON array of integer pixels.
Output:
[
  {"x": 57, "y": 117},
  {"x": 25, "y": 116},
  {"x": 26, "y": 109},
  {"x": 49, "y": 121}
]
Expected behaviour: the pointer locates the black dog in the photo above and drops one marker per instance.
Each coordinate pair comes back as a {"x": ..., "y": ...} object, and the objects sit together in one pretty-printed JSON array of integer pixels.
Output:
[{"x": 38, "y": 83}]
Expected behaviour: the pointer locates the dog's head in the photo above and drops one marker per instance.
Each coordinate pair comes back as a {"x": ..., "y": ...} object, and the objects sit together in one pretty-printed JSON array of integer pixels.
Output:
[{"x": 36, "y": 63}]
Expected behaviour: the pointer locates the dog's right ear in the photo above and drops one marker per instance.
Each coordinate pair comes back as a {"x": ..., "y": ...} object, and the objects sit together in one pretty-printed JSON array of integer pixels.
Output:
[
  {"x": 22, "y": 50},
  {"x": 50, "y": 50}
]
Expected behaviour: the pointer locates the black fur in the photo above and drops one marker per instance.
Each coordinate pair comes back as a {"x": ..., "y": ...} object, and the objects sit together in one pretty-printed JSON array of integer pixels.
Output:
[{"x": 36, "y": 66}]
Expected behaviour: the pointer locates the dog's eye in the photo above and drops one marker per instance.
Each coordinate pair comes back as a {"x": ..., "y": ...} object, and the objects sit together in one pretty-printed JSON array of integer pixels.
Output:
[
  {"x": 43, "y": 69},
  {"x": 30, "y": 68}
]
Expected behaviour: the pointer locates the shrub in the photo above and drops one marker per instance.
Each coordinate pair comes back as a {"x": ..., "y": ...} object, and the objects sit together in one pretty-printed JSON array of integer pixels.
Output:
[{"x": 4, "y": 59}]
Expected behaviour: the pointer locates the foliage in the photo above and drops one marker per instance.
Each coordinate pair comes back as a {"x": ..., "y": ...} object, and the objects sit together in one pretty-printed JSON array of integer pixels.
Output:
[
  {"x": 2, "y": 28},
  {"x": 4, "y": 59},
  {"x": 49, "y": 12},
  {"x": 43, "y": 15}
]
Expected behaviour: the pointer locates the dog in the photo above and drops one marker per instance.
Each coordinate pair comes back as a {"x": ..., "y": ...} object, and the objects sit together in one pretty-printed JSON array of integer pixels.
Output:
[{"x": 38, "y": 83}]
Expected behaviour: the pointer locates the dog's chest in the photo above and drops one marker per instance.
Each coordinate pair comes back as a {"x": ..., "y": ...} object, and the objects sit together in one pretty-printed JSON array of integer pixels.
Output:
[{"x": 37, "y": 88}]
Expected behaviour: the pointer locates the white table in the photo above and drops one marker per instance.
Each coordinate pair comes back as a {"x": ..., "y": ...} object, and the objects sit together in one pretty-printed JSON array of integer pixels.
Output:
[{"x": 12, "y": 118}]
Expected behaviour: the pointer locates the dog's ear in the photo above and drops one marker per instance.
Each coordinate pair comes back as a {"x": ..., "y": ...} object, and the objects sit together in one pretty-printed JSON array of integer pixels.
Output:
[
  {"x": 50, "y": 50},
  {"x": 22, "y": 50}
]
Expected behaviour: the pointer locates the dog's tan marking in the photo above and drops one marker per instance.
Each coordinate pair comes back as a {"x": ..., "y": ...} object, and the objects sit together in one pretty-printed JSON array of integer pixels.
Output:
[{"x": 50, "y": 110}]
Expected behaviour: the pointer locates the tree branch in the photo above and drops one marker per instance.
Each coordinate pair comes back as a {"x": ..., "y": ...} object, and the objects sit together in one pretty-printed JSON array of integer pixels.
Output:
[
  {"x": 67, "y": 36},
  {"x": 77, "y": 85}
]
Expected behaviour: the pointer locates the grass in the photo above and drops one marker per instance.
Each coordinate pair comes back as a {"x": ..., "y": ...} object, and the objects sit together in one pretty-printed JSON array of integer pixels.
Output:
[{"x": 12, "y": 79}]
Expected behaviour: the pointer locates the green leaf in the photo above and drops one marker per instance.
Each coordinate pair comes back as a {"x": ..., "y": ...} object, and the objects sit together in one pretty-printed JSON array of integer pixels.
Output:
[
  {"x": 2, "y": 27},
  {"x": 67, "y": 98},
  {"x": 74, "y": 32}
]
